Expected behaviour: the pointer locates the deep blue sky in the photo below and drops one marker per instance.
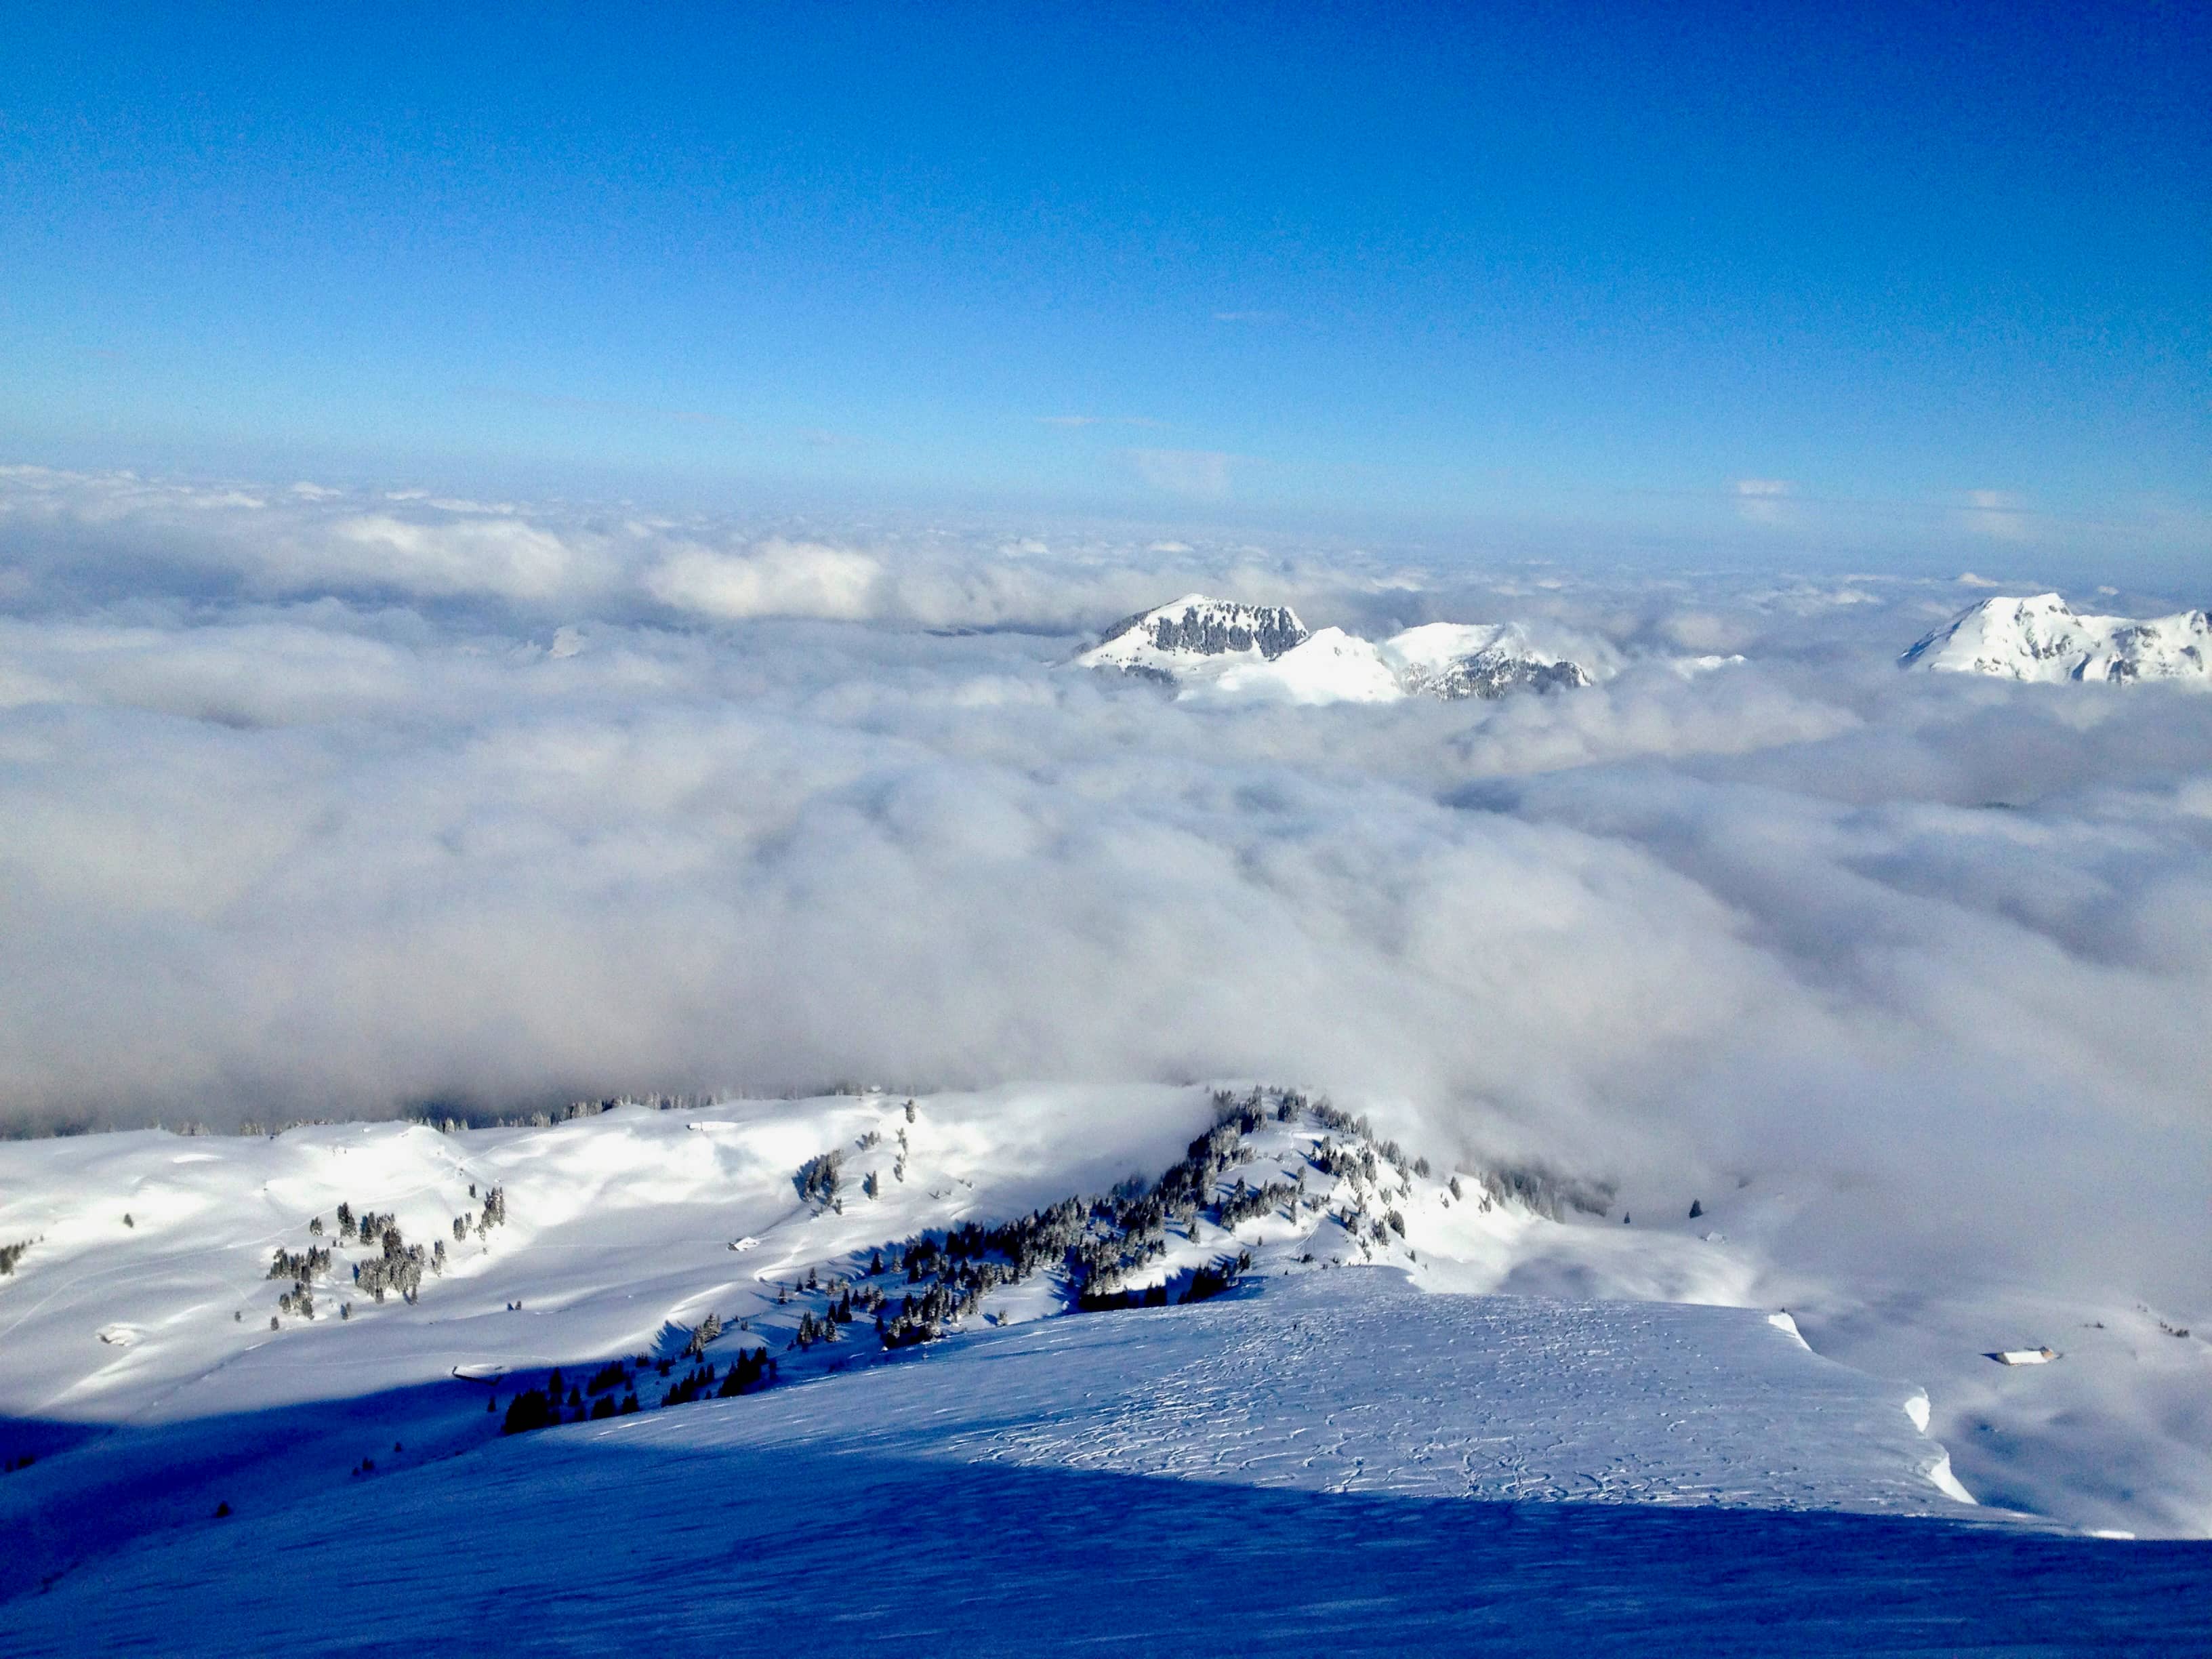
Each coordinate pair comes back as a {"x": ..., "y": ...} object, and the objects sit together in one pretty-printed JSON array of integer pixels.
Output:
[{"x": 1545, "y": 264}]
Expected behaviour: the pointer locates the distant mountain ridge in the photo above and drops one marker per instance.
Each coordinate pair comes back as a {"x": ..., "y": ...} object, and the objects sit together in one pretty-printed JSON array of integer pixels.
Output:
[
  {"x": 1219, "y": 647},
  {"x": 1195, "y": 625},
  {"x": 2043, "y": 638}
]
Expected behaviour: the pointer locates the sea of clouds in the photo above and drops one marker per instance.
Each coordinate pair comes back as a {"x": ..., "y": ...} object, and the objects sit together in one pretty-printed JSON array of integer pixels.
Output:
[{"x": 318, "y": 802}]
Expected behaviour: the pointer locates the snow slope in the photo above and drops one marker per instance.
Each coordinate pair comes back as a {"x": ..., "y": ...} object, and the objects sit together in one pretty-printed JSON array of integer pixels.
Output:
[
  {"x": 1329, "y": 666},
  {"x": 137, "y": 1362},
  {"x": 1336, "y": 1463},
  {"x": 1214, "y": 649},
  {"x": 2043, "y": 638},
  {"x": 1271, "y": 1463},
  {"x": 619, "y": 1226}
]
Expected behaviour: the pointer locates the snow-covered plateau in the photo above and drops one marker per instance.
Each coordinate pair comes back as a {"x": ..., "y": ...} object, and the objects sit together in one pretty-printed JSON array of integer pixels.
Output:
[
  {"x": 2043, "y": 638},
  {"x": 976, "y": 1373},
  {"x": 1218, "y": 649}
]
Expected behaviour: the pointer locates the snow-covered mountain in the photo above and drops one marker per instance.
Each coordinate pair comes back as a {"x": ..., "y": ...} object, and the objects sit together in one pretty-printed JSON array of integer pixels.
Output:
[
  {"x": 1217, "y": 648},
  {"x": 2043, "y": 638}
]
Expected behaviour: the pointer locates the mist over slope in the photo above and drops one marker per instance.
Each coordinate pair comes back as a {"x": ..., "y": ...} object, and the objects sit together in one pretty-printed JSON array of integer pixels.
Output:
[{"x": 322, "y": 804}]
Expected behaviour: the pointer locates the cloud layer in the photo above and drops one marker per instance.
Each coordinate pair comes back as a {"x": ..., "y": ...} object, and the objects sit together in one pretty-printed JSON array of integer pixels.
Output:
[{"x": 316, "y": 805}]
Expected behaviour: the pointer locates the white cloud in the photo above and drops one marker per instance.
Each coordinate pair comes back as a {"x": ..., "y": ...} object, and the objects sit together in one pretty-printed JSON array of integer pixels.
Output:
[
  {"x": 775, "y": 579},
  {"x": 449, "y": 556}
]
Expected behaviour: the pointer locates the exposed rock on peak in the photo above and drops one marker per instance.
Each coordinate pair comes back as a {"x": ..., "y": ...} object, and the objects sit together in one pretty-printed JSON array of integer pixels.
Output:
[{"x": 1196, "y": 626}]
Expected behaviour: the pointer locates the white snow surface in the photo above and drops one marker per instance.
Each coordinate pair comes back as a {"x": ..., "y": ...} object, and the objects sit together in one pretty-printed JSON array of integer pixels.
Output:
[
  {"x": 2043, "y": 638},
  {"x": 1330, "y": 666}
]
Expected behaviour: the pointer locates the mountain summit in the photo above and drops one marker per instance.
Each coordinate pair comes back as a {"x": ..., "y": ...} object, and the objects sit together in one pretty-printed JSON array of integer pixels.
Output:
[
  {"x": 2043, "y": 638},
  {"x": 1223, "y": 649},
  {"x": 1172, "y": 636}
]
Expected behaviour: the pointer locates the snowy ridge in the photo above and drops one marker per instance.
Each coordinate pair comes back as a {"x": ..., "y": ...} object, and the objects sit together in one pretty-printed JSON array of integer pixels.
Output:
[
  {"x": 2043, "y": 638},
  {"x": 1215, "y": 648}
]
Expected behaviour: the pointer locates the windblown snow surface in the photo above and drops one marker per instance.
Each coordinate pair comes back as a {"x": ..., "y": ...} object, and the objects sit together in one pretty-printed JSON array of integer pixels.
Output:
[{"x": 1346, "y": 1451}]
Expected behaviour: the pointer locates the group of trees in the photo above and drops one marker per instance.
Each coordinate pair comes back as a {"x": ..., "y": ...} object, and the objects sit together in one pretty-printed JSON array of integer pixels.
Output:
[
  {"x": 1545, "y": 1192},
  {"x": 493, "y": 1214},
  {"x": 299, "y": 1302},
  {"x": 752, "y": 1369},
  {"x": 312, "y": 1263},
  {"x": 400, "y": 1266},
  {"x": 302, "y": 1268},
  {"x": 531, "y": 1409},
  {"x": 1246, "y": 1203},
  {"x": 817, "y": 1178},
  {"x": 824, "y": 1327},
  {"x": 1209, "y": 1280},
  {"x": 541, "y": 1407},
  {"x": 1096, "y": 1243},
  {"x": 11, "y": 1254},
  {"x": 558, "y": 1401},
  {"x": 397, "y": 1266}
]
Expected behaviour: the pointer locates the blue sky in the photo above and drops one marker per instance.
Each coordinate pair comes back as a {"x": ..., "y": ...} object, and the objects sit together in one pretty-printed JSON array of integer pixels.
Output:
[{"x": 1727, "y": 267}]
